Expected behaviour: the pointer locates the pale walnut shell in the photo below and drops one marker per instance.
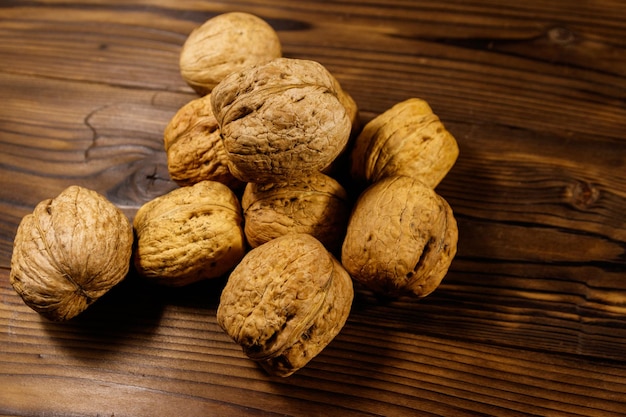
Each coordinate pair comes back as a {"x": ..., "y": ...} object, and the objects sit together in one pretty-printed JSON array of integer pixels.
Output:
[
  {"x": 224, "y": 44},
  {"x": 69, "y": 252},
  {"x": 194, "y": 147},
  {"x": 401, "y": 238},
  {"x": 281, "y": 120},
  {"x": 408, "y": 139},
  {"x": 189, "y": 234},
  {"x": 317, "y": 205},
  {"x": 285, "y": 302}
]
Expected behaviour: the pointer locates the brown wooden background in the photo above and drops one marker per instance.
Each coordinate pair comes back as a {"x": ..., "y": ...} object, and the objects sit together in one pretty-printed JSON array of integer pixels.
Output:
[{"x": 531, "y": 319}]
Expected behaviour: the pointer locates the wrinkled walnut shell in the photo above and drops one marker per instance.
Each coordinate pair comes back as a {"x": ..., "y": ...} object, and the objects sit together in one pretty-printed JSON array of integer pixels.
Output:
[
  {"x": 281, "y": 120},
  {"x": 224, "y": 44},
  {"x": 190, "y": 234},
  {"x": 408, "y": 139},
  {"x": 317, "y": 205},
  {"x": 401, "y": 238},
  {"x": 194, "y": 147},
  {"x": 69, "y": 252},
  {"x": 285, "y": 302}
]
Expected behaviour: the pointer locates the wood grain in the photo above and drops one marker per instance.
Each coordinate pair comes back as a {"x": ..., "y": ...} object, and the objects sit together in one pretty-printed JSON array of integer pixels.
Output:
[{"x": 531, "y": 319}]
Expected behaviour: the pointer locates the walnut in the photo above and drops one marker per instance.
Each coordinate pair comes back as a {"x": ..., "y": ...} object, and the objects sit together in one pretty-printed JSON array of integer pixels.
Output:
[
  {"x": 70, "y": 251},
  {"x": 194, "y": 147},
  {"x": 281, "y": 120},
  {"x": 401, "y": 238},
  {"x": 408, "y": 139},
  {"x": 224, "y": 44},
  {"x": 285, "y": 302},
  {"x": 317, "y": 205},
  {"x": 189, "y": 234}
]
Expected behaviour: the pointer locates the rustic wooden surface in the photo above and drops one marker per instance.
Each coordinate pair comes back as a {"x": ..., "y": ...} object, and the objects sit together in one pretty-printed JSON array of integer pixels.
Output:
[{"x": 531, "y": 319}]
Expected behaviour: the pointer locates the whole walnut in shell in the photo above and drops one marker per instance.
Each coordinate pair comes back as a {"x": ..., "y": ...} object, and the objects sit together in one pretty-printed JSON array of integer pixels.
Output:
[
  {"x": 194, "y": 147},
  {"x": 285, "y": 302},
  {"x": 224, "y": 44},
  {"x": 401, "y": 238},
  {"x": 408, "y": 139},
  {"x": 69, "y": 252},
  {"x": 189, "y": 234},
  {"x": 317, "y": 205},
  {"x": 281, "y": 120}
]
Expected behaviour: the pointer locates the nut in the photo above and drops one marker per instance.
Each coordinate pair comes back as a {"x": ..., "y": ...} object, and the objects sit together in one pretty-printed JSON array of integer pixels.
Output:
[
  {"x": 69, "y": 252},
  {"x": 285, "y": 302},
  {"x": 194, "y": 147},
  {"x": 224, "y": 44},
  {"x": 317, "y": 205},
  {"x": 281, "y": 120},
  {"x": 408, "y": 139},
  {"x": 401, "y": 238},
  {"x": 190, "y": 234}
]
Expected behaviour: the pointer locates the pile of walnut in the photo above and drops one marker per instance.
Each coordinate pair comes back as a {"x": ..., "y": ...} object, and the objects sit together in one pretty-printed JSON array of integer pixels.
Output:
[{"x": 257, "y": 157}]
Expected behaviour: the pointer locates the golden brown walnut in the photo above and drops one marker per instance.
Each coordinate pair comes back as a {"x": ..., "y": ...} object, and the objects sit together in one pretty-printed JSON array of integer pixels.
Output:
[
  {"x": 401, "y": 238},
  {"x": 224, "y": 44},
  {"x": 285, "y": 302},
  {"x": 194, "y": 147},
  {"x": 189, "y": 234},
  {"x": 281, "y": 120},
  {"x": 317, "y": 205},
  {"x": 408, "y": 139},
  {"x": 69, "y": 252}
]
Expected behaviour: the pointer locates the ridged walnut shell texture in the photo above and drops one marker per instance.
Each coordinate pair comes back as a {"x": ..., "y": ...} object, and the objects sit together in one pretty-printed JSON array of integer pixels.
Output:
[
  {"x": 401, "y": 238},
  {"x": 317, "y": 205},
  {"x": 224, "y": 44},
  {"x": 194, "y": 147},
  {"x": 281, "y": 120},
  {"x": 69, "y": 252},
  {"x": 285, "y": 302},
  {"x": 408, "y": 139},
  {"x": 190, "y": 234}
]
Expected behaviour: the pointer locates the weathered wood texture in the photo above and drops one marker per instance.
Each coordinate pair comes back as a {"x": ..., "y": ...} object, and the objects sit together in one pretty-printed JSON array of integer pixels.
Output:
[{"x": 531, "y": 319}]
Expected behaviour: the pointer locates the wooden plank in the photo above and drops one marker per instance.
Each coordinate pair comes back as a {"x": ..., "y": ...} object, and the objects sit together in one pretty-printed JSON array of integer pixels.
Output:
[
  {"x": 531, "y": 319},
  {"x": 164, "y": 346}
]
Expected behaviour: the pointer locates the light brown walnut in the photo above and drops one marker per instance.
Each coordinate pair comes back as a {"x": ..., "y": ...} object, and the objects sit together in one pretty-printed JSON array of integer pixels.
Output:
[
  {"x": 69, "y": 252},
  {"x": 189, "y": 234},
  {"x": 401, "y": 238},
  {"x": 408, "y": 139},
  {"x": 317, "y": 205},
  {"x": 281, "y": 120},
  {"x": 224, "y": 44},
  {"x": 194, "y": 147},
  {"x": 285, "y": 302}
]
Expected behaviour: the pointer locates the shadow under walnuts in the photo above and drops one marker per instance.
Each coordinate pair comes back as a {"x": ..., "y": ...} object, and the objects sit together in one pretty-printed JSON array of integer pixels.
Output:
[{"x": 133, "y": 309}]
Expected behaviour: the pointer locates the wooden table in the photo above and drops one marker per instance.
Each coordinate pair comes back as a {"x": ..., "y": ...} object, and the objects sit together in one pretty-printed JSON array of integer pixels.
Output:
[{"x": 530, "y": 320}]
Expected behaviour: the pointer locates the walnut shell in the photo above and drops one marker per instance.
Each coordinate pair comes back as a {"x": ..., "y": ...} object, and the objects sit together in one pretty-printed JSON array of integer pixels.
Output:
[
  {"x": 401, "y": 238},
  {"x": 194, "y": 147},
  {"x": 189, "y": 234},
  {"x": 285, "y": 302},
  {"x": 281, "y": 120},
  {"x": 408, "y": 139},
  {"x": 224, "y": 44},
  {"x": 69, "y": 252},
  {"x": 317, "y": 205}
]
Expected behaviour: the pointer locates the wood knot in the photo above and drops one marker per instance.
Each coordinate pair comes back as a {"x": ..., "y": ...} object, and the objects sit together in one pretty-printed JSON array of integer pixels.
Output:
[
  {"x": 150, "y": 179},
  {"x": 561, "y": 36},
  {"x": 582, "y": 195}
]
